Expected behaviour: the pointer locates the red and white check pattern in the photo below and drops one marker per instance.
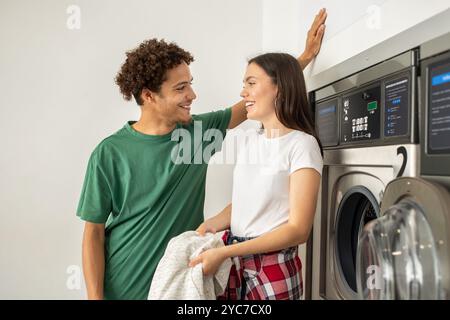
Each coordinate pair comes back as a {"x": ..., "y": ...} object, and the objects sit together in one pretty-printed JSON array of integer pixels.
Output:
[{"x": 270, "y": 276}]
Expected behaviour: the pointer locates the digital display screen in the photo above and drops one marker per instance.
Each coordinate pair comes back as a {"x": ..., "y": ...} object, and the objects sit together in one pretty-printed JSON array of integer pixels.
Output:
[
  {"x": 360, "y": 117},
  {"x": 439, "y": 107},
  {"x": 397, "y": 105},
  {"x": 372, "y": 105},
  {"x": 326, "y": 122}
]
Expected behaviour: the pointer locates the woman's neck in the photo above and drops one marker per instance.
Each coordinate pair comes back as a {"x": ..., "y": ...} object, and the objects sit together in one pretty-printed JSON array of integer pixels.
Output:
[{"x": 273, "y": 128}]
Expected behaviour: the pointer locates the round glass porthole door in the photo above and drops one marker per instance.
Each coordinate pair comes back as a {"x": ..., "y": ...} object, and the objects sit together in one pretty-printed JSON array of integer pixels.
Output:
[
  {"x": 406, "y": 257},
  {"x": 374, "y": 270},
  {"x": 357, "y": 207}
]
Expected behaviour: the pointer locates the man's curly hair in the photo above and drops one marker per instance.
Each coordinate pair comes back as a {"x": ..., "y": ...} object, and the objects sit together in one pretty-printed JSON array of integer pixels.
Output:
[{"x": 146, "y": 67}]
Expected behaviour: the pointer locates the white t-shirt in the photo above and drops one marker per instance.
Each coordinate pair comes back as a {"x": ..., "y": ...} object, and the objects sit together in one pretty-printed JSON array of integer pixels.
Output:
[{"x": 260, "y": 200}]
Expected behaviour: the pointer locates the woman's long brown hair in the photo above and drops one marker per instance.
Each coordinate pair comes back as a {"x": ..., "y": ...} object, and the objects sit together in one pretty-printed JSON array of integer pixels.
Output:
[{"x": 292, "y": 107}]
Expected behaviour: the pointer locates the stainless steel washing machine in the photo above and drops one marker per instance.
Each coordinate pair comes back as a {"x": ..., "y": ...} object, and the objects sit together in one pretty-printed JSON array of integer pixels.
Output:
[
  {"x": 368, "y": 126},
  {"x": 405, "y": 253}
]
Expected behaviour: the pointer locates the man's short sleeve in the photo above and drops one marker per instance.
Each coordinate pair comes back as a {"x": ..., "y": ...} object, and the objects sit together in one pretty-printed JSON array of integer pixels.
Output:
[
  {"x": 95, "y": 201},
  {"x": 215, "y": 120}
]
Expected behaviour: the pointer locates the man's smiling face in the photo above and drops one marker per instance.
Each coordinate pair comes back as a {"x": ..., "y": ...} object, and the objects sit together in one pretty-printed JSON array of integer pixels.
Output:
[{"x": 173, "y": 102}]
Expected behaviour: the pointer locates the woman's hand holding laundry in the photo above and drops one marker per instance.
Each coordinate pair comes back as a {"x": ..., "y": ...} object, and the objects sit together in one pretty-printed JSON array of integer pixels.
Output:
[
  {"x": 205, "y": 227},
  {"x": 211, "y": 260},
  {"x": 219, "y": 222}
]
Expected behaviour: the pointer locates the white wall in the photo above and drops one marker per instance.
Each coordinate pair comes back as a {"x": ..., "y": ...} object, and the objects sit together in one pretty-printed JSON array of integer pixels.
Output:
[
  {"x": 58, "y": 100},
  {"x": 282, "y": 27}
]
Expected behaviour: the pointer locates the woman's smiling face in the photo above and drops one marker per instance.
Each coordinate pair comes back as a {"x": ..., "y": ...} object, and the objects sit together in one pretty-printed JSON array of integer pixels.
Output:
[{"x": 259, "y": 93}]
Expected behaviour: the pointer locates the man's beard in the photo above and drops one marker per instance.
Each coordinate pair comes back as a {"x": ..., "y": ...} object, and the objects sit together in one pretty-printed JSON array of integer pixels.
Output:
[{"x": 186, "y": 122}]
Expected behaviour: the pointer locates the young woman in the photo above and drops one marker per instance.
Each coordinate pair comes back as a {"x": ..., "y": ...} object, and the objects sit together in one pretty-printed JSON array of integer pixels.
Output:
[{"x": 274, "y": 197}]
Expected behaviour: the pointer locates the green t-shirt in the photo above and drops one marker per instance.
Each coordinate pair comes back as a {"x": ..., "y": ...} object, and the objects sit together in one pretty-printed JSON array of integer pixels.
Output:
[{"x": 145, "y": 198}]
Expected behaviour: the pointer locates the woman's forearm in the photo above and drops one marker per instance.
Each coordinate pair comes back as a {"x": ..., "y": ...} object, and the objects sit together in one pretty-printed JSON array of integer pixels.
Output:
[
  {"x": 285, "y": 236},
  {"x": 222, "y": 220}
]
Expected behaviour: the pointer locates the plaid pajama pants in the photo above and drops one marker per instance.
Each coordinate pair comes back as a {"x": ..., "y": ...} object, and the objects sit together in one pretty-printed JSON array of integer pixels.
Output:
[{"x": 270, "y": 276}]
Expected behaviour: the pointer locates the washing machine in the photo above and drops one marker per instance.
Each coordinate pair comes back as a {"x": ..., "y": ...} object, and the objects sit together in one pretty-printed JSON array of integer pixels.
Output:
[
  {"x": 405, "y": 252},
  {"x": 368, "y": 126}
]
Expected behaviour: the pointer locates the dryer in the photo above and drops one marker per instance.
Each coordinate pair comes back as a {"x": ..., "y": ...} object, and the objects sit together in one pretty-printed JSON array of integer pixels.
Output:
[
  {"x": 368, "y": 125},
  {"x": 405, "y": 253}
]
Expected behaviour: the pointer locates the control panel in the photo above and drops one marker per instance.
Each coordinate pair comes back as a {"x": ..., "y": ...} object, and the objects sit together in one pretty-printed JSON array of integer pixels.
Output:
[
  {"x": 381, "y": 112},
  {"x": 396, "y": 106},
  {"x": 360, "y": 116},
  {"x": 327, "y": 122},
  {"x": 439, "y": 108}
]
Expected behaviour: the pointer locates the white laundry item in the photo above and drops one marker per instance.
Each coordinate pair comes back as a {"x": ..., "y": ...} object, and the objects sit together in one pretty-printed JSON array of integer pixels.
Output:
[{"x": 175, "y": 280}]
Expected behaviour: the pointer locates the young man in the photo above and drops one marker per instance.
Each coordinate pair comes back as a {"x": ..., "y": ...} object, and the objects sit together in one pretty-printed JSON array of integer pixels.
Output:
[{"x": 136, "y": 194}]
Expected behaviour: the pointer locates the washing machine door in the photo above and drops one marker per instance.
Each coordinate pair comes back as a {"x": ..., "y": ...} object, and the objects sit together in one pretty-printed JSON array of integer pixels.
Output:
[
  {"x": 397, "y": 255},
  {"x": 374, "y": 269}
]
